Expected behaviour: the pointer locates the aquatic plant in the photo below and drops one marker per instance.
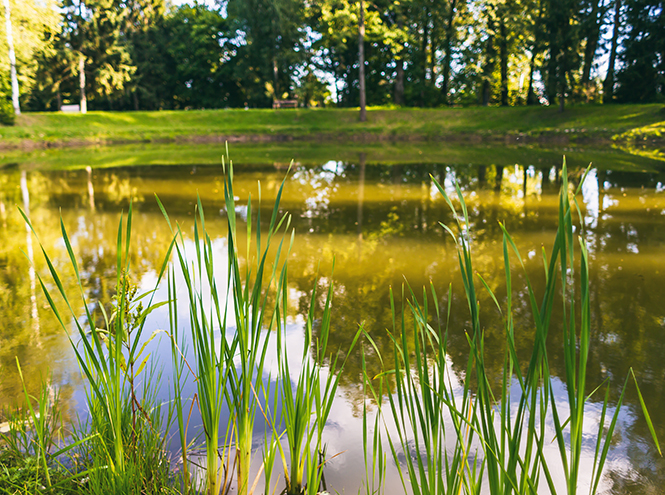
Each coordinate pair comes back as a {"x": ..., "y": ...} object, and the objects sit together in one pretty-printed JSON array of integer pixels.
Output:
[
  {"x": 124, "y": 422},
  {"x": 475, "y": 439}
]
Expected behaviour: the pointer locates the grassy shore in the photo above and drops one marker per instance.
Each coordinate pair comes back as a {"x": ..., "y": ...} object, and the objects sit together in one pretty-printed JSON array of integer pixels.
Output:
[{"x": 593, "y": 123}]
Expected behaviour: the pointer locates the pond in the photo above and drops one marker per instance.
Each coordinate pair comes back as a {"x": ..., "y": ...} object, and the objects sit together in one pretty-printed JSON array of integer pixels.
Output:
[{"x": 373, "y": 212}]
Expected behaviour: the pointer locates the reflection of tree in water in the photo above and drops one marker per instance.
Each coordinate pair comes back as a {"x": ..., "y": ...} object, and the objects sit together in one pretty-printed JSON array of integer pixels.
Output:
[
  {"x": 27, "y": 330},
  {"x": 45, "y": 349}
]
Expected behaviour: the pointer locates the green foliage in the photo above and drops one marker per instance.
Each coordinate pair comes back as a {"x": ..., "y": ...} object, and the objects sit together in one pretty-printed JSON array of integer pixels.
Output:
[
  {"x": 94, "y": 30},
  {"x": 193, "y": 39},
  {"x": 23, "y": 475},
  {"x": 35, "y": 24},
  {"x": 7, "y": 116},
  {"x": 149, "y": 54},
  {"x": 272, "y": 48},
  {"x": 31, "y": 447},
  {"x": 126, "y": 453},
  {"x": 642, "y": 77}
]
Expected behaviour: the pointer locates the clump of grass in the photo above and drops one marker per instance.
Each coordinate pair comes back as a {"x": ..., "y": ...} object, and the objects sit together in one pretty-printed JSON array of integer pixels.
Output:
[
  {"x": 306, "y": 404},
  {"x": 229, "y": 372},
  {"x": 32, "y": 446},
  {"x": 474, "y": 439},
  {"x": 126, "y": 452}
]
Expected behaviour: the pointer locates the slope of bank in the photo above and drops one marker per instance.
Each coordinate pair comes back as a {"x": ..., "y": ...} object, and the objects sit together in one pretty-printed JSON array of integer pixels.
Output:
[{"x": 476, "y": 124}]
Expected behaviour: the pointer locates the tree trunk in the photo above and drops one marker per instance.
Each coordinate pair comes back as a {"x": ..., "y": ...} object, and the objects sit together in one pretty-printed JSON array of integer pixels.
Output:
[
  {"x": 399, "y": 83},
  {"x": 399, "y": 79},
  {"x": 590, "y": 50},
  {"x": 562, "y": 70},
  {"x": 361, "y": 53},
  {"x": 84, "y": 103},
  {"x": 608, "y": 84},
  {"x": 530, "y": 94},
  {"x": 275, "y": 79},
  {"x": 489, "y": 68},
  {"x": 562, "y": 94},
  {"x": 432, "y": 51},
  {"x": 503, "y": 54},
  {"x": 448, "y": 42},
  {"x": 423, "y": 51},
  {"x": 12, "y": 58}
]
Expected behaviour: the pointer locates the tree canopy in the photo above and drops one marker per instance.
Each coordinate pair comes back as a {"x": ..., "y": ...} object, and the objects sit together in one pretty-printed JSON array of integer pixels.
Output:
[{"x": 150, "y": 54}]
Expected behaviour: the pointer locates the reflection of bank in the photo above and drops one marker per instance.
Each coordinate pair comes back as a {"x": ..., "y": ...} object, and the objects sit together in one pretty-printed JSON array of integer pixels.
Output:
[{"x": 34, "y": 315}]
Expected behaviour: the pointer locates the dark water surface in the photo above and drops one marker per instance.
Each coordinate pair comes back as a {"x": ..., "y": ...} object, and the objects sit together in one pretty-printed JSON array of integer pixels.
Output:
[{"x": 376, "y": 213}]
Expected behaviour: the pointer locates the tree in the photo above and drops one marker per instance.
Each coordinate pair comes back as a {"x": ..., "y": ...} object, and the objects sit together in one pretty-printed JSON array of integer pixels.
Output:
[
  {"x": 593, "y": 15},
  {"x": 28, "y": 30},
  {"x": 452, "y": 8},
  {"x": 199, "y": 60},
  {"x": 608, "y": 84},
  {"x": 361, "y": 61},
  {"x": 93, "y": 30},
  {"x": 563, "y": 48},
  {"x": 142, "y": 29},
  {"x": 489, "y": 59},
  {"x": 271, "y": 35},
  {"x": 642, "y": 77},
  {"x": 336, "y": 51},
  {"x": 535, "y": 48}
]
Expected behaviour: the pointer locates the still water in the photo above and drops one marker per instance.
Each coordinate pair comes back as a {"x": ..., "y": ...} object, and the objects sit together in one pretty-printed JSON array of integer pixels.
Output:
[{"x": 375, "y": 213}]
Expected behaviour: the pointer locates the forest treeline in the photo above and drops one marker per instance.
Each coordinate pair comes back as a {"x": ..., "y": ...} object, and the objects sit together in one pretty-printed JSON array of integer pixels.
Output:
[{"x": 151, "y": 54}]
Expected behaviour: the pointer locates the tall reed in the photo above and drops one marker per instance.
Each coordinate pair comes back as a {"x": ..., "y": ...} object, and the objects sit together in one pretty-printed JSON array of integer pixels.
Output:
[
  {"x": 111, "y": 361},
  {"x": 475, "y": 439},
  {"x": 306, "y": 407},
  {"x": 230, "y": 372},
  {"x": 255, "y": 315}
]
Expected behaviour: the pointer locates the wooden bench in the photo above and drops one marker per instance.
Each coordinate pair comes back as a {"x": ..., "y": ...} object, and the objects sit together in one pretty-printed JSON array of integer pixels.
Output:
[{"x": 285, "y": 103}]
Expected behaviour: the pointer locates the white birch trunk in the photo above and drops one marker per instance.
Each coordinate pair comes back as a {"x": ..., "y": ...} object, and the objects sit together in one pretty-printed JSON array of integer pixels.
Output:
[
  {"x": 84, "y": 102},
  {"x": 12, "y": 58}
]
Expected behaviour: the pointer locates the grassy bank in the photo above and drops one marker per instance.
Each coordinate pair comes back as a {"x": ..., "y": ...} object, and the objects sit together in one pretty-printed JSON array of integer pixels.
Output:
[{"x": 595, "y": 123}]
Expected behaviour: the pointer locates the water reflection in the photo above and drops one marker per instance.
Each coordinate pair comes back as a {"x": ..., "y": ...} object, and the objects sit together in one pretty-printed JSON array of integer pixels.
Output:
[{"x": 380, "y": 225}]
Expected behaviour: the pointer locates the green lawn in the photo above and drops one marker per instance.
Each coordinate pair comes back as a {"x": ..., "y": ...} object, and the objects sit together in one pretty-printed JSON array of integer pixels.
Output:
[{"x": 332, "y": 124}]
